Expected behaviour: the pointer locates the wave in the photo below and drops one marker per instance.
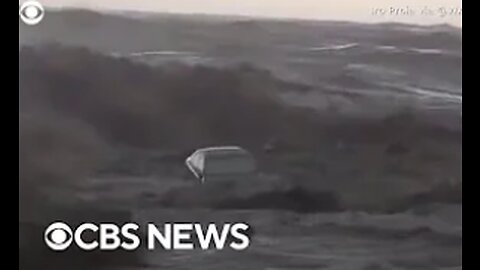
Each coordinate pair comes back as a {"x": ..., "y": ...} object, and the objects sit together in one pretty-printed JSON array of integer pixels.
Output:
[
  {"x": 421, "y": 232},
  {"x": 421, "y": 51},
  {"x": 294, "y": 199},
  {"x": 434, "y": 94},
  {"x": 334, "y": 47},
  {"x": 434, "y": 227},
  {"x": 154, "y": 53},
  {"x": 427, "y": 51},
  {"x": 405, "y": 223}
]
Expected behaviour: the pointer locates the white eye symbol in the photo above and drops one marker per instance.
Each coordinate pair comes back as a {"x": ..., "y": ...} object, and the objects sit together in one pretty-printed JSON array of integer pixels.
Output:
[
  {"x": 58, "y": 236},
  {"x": 31, "y": 12}
]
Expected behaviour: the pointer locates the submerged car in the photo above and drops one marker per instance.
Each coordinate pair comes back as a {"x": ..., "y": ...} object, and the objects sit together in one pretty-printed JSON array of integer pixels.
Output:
[
  {"x": 225, "y": 173},
  {"x": 221, "y": 163}
]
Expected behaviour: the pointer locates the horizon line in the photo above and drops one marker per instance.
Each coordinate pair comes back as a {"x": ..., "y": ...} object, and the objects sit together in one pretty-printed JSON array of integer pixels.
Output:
[{"x": 120, "y": 12}]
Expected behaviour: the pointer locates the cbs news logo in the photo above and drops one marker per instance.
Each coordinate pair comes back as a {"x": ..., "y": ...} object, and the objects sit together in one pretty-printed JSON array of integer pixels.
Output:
[
  {"x": 31, "y": 12},
  {"x": 59, "y": 236}
]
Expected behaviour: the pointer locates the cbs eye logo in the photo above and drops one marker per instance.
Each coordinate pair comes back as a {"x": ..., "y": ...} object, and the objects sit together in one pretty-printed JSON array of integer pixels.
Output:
[
  {"x": 31, "y": 12},
  {"x": 58, "y": 236}
]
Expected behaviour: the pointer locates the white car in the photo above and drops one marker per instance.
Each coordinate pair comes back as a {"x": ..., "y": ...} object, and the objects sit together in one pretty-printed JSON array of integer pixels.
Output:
[{"x": 221, "y": 163}]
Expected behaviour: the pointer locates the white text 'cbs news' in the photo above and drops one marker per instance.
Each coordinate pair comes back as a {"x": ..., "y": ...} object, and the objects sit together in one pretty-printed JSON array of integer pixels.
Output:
[{"x": 59, "y": 236}]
